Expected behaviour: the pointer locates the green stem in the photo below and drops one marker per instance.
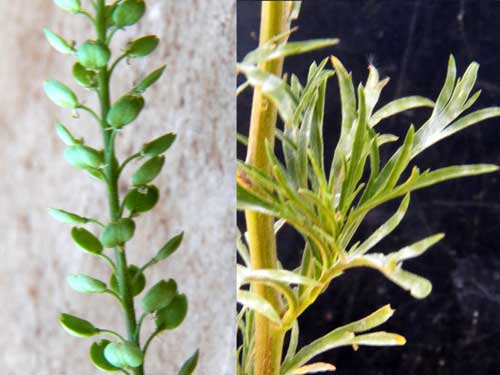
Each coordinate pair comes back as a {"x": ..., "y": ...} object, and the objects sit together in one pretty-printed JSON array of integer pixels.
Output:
[
  {"x": 261, "y": 238},
  {"x": 111, "y": 172}
]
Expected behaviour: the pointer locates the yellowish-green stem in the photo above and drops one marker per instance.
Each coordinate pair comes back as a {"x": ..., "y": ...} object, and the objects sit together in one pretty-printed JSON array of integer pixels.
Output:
[{"x": 261, "y": 239}]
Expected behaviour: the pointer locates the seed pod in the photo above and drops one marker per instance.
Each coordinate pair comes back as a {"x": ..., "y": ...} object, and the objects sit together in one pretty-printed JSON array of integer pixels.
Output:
[
  {"x": 86, "y": 284},
  {"x": 125, "y": 110},
  {"x": 142, "y": 199},
  {"x": 143, "y": 46},
  {"x": 148, "y": 171},
  {"x": 149, "y": 80},
  {"x": 72, "y": 6},
  {"x": 159, "y": 145},
  {"x": 83, "y": 157},
  {"x": 98, "y": 358},
  {"x": 60, "y": 94},
  {"x": 86, "y": 241},
  {"x": 190, "y": 365},
  {"x": 169, "y": 248},
  {"x": 171, "y": 317},
  {"x": 58, "y": 42},
  {"x": 67, "y": 217},
  {"x": 123, "y": 354},
  {"x": 77, "y": 327},
  {"x": 84, "y": 77},
  {"x": 65, "y": 135},
  {"x": 159, "y": 296},
  {"x": 128, "y": 13},
  {"x": 118, "y": 233},
  {"x": 93, "y": 55},
  {"x": 138, "y": 281}
]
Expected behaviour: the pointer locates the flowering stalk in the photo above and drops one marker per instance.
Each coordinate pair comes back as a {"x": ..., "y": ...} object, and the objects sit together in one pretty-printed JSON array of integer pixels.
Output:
[{"x": 93, "y": 70}]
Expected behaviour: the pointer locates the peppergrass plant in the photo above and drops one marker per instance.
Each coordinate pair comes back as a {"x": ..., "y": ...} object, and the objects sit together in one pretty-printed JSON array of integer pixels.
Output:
[
  {"x": 327, "y": 206},
  {"x": 93, "y": 70}
]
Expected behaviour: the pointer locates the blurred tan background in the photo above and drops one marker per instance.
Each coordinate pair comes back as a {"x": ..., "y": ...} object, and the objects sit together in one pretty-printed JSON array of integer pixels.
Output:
[{"x": 194, "y": 99}]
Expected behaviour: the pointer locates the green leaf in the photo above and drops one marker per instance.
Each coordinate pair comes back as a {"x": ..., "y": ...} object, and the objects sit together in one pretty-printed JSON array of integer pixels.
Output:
[
  {"x": 93, "y": 55},
  {"x": 67, "y": 217},
  {"x": 247, "y": 200},
  {"x": 385, "y": 229},
  {"x": 128, "y": 12},
  {"x": 84, "y": 157},
  {"x": 117, "y": 233},
  {"x": 399, "y": 105},
  {"x": 60, "y": 94},
  {"x": 58, "y": 42},
  {"x": 72, "y": 6},
  {"x": 86, "y": 284},
  {"x": 138, "y": 281},
  {"x": 448, "y": 173},
  {"x": 169, "y": 248},
  {"x": 259, "y": 304},
  {"x": 149, "y": 80},
  {"x": 97, "y": 356},
  {"x": 84, "y": 77},
  {"x": 125, "y": 110},
  {"x": 159, "y": 145},
  {"x": 271, "y": 51},
  {"x": 148, "y": 171},
  {"x": 123, "y": 354},
  {"x": 379, "y": 339},
  {"x": 416, "y": 249},
  {"x": 78, "y": 327},
  {"x": 171, "y": 316},
  {"x": 86, "y": 241},
  {"x": 142, "y": 46},
  {"x": 247, "y": 275},
  {"x": 341, "y": 336},
  {"x": 313, "y": 368},
  {"x": 142, "y": 199},
  {"x": 159, "y": 296},
  {"x": 65, "y": 135},
  {"x": 190, "y": 365}
]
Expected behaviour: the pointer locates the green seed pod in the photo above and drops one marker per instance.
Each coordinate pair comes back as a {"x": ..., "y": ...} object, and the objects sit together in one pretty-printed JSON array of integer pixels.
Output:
[
  {"x": 67, "y": 217},
  {"x": 84, "y": 77},
  {"x": 72, "y": 6},
  {"x": 60, "y": 94},
  {"x": 142, "y": 199},
  {"x": 110, "y": 8},
  {"x": 86, "y": 284},
  {"x": 190, "y": 365},
  {"x": 58, "y": 42},
  {"x": 150, "y": 79},
  {"x": 117, "y": 233},
  {"x": 77, "y": 327},
  {"x": 93, "y": 55},
  {"x": 138, "y": 281},
  {"x": 171, "y": 317},
  {"x": 86, "y": 241},
  {"x": 83, "y": 157},
  {"x": 98, "y": 358},
  {"x": 169, "y": 248},
  {"x": 125, "y": 110},
  {"x": 159, "y": 145},
  {"x": 148, "y": 171},
  {"x": 159, "y": 296},
  {"x": 123, "y": 354},
  {"x": 143, "y": 46},
  {"x": 128, "y": 13},
  {"x": 65, "y": 135}
]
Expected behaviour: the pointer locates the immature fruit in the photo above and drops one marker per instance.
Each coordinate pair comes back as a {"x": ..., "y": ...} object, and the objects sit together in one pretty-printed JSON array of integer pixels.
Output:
[
  {"x": 93, "y": 55},
  {"x": 148, "y": 171},
  {"x": 118, "y": 233},
  {"x": 125, "y": 110},
  {"x": 143, "y": 46},
  {"x": 83, "y": 157},
  {"x": 72, "y": 6},
  {"x": 60, "y": 94},
  {"x": 128, "y": 12},
  {"x": 58, "y": 42}
]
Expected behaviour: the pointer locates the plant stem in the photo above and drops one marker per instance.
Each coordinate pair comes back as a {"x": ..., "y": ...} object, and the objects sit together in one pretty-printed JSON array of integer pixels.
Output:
[
  {"x": 261, "y": 239},
  {"x": 111, "y": 171}
]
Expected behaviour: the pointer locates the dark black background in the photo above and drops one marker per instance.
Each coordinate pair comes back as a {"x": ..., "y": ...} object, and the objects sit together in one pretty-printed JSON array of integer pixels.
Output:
[{"x": 456, "y": 330}]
